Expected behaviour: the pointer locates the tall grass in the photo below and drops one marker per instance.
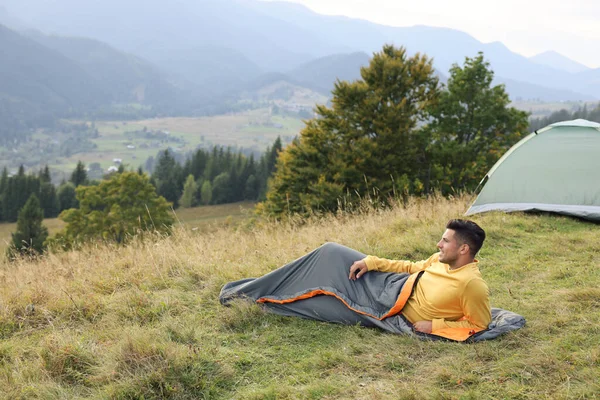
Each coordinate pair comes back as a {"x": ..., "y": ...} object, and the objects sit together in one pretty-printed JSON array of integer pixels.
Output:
[{"x": 143, "y": 321}]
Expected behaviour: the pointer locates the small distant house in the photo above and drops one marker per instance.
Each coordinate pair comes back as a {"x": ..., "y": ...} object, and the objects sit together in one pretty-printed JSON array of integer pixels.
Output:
[
  {"x": 112, "y": 168},
  {"x": 130, "y": 146},
  {"x": 117, "y": 161}
]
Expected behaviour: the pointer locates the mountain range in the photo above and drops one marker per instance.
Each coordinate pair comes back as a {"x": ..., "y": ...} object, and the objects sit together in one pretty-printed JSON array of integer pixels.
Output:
[
  {"x": 557, "y": 60},
  {"x": 185, "y": 56}
]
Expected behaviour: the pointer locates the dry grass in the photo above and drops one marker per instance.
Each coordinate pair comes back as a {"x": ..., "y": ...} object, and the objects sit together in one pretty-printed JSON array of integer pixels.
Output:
[{"x": 144, "y": 320}]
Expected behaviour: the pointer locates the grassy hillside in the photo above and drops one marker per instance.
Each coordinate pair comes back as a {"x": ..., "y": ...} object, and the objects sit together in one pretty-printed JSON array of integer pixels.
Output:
[{"x": 144, "y": 320}]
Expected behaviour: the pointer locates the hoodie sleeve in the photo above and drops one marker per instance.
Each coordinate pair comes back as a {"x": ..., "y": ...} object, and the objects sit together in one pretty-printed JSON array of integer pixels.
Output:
[{"x": 385, "y": 265}]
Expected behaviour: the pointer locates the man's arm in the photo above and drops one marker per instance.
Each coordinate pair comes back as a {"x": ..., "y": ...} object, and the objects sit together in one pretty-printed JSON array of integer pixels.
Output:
[
  {"x": 372, "y": 263},
  {"x": 398, "y": 266},
  {"x": 476, "y": 308}
]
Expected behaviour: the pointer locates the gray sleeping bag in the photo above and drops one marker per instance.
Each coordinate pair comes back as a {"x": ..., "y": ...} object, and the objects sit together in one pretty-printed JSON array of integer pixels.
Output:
[{"x": 316, "y": 286}]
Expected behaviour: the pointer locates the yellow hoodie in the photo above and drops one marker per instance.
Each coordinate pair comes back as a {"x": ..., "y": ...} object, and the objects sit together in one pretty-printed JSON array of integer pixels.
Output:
[{"x": 456, "y": 298}]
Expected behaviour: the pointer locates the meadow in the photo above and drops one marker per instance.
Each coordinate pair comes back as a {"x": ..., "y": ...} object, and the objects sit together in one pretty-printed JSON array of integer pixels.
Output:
[
  {"x": 133, "y": 142},
  {"x": 144, "y": 321},
  {"x": 204, "y": 218}
]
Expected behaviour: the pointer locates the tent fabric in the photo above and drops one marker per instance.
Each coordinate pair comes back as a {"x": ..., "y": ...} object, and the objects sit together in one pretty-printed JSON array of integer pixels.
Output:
[
  {"x": 577, "y": 122},
  {"x": 316, "y": 286},
  {"x": 554, "y": 169}
]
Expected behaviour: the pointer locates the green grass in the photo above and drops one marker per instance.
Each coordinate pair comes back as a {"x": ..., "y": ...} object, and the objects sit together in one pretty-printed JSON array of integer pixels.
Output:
[
  {"x": 143, "y": 321},
  {"x": 207, "y": 217}
]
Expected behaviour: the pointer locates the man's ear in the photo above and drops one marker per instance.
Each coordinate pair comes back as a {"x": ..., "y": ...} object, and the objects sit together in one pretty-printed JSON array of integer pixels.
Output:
[{"x": 464, "y": 248}]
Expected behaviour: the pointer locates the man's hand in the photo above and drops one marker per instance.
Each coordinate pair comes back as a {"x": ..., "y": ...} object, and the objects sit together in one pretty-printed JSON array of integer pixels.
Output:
[
  {"x": 423, "y": 326},
  {"x": 358, "y": 269}
]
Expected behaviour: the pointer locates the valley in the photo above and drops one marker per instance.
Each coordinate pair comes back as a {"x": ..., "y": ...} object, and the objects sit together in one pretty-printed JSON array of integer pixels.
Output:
[{"x": 105, "y": 144}]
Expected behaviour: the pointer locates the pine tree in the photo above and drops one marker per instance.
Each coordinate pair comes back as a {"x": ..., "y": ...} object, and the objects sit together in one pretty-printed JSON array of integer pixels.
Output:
[
  {"x": 198, "y": 163},
  {"x": 3, "y": 180},
  {"x": 273, "y": 152},
  {"x": 213, "y": 164},
  {"x": 9, "y": 210},
  {"x": 45, "y": 175},
  {"x": 167, "y": 175},
  {"x": 366, "y": 140},
  {"x": 262, "y": 176},
  {"x": 49, "y": 200},
  {"x": 79, "y": 175},
  {"x": 17, "y": 192},
  {"x": 235, "y": 189},
  {"x": 31, "y": 234},
  {"x": 248, "y": 181}
]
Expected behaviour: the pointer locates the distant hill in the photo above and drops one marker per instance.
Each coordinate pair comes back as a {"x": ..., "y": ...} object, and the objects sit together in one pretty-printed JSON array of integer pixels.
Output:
[
  {"x": 124, "y": 77},
  {"x": 9, "y": 20},
  {"x": 38, "y": 84},
  {"x": 268, "y": 79},
  {"x": 588, "y": 81},
  {"x": 558, "y": 61},
  {"x": 320, "y": 74},
  {"x": 523, "y": 90},
  {"x": 446, "y": 46},
  {"x": 33, "y": 72},
  {"x": 317, "y": 75},
  {"x": 225, "y": 42},
  {"x": 219, "y": 46},
  {"x": 44, "y": 78},
  {"x": 214, "y": 69},
  {"x": 155, "y": 29}
]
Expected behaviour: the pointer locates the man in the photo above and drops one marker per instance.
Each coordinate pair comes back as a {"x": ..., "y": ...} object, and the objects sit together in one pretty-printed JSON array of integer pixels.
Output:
[
  {"x": 444, "y": 295},
  {"x": 451, "y": 292}
]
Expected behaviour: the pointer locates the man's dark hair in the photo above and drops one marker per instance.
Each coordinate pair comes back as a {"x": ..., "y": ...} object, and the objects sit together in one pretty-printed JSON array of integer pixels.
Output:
[{"x": 468, "y": 232}]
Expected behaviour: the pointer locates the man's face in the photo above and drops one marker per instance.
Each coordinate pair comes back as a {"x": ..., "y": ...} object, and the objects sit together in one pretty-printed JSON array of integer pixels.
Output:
[{"x": 449, "y": 247}]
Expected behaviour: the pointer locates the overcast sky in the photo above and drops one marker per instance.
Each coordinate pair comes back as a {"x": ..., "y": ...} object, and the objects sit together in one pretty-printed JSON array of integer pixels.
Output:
[{"x": 528, "y": 27}]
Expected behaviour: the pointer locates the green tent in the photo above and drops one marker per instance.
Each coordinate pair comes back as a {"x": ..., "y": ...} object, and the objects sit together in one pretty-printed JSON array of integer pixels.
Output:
[{"x": 555, "y": 169}]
